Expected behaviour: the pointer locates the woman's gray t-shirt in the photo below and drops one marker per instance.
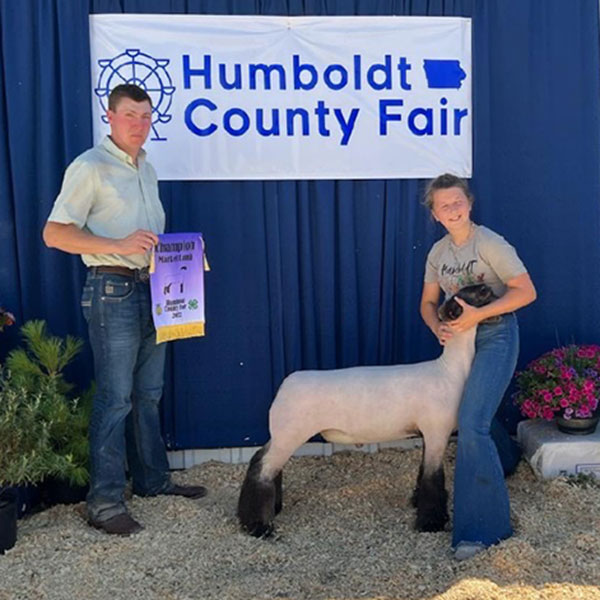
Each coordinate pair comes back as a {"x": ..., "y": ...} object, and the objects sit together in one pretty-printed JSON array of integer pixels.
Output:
[{"x": 485, "y": 258}]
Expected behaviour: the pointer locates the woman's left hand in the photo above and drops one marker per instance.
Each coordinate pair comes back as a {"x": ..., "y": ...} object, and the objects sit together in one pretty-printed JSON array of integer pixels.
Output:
[{"x": 469, "y": 317}]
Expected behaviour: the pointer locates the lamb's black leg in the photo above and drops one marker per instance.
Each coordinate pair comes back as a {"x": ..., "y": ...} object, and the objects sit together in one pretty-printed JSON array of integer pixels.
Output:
[
  {"x": 432, "y": 499},
  {"x": 415, "y": 495},
  {"x": 278, "y": 493},
  {"x": 256, "y": 505}
]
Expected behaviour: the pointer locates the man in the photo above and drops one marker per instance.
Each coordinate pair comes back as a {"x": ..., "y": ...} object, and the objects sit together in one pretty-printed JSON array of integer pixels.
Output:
[{"x": 109, "y": 211}]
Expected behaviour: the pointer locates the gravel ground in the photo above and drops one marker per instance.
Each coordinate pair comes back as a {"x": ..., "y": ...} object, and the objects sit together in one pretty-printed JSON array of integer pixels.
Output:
[{"x": 345, "y": 532}]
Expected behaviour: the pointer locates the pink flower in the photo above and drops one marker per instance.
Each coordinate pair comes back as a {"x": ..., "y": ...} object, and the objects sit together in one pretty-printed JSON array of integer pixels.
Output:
[
  {"x": 548, "y": 413},
  {"x": 565, "y": 373},
  {"x": 564, "y": 402},
  {"x": 558, "y": 391},
  {"x": 587, "y": 351}
]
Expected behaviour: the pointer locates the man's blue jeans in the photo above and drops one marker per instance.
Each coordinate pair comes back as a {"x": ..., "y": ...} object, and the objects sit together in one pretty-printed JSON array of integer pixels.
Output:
[
  {"x": 129, "y": 370},
  {"x": 485, "y": 451}
]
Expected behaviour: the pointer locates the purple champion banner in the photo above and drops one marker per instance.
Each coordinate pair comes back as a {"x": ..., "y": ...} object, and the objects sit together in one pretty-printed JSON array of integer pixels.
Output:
[{"x": 177, "y": 286}]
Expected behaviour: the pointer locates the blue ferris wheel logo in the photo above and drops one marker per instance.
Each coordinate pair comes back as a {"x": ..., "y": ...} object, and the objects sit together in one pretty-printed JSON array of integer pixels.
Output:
[{"x": 134, "y": 66}]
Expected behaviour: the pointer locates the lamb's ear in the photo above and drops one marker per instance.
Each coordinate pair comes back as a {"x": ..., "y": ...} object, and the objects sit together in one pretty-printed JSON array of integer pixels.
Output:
[
  {"x": 450, "y": 310},
  {"x": 456, "y": 309},
  {"x": 442, "y": 311}
]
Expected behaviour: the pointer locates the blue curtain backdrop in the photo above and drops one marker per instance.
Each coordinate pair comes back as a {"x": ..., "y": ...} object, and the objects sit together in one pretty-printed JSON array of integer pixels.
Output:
[{"x": 320, "y": 274}]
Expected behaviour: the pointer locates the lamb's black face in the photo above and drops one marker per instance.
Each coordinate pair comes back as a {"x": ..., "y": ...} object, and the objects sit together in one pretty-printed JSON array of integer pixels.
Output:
[{"x": 479, "y": 294}]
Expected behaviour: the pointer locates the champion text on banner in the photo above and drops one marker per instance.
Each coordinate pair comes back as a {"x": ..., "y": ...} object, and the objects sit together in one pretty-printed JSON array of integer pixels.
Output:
[
  {"x": 267, "y": 97},
  {"x": 177, "y": 286}
]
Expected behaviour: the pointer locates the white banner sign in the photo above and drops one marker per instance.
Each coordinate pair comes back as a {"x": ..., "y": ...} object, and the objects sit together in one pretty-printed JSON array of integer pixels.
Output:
[{"x": 252, "y": 97}]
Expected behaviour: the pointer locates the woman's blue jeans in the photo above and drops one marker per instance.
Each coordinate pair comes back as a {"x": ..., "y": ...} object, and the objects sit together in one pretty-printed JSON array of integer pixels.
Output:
[
  {"x": 129, "y": 370},
  {"x": 485, "y": 451}
]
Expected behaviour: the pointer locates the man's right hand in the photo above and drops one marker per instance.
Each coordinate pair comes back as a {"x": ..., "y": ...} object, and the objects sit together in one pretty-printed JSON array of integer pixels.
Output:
[{"x": 138, "y": 242}]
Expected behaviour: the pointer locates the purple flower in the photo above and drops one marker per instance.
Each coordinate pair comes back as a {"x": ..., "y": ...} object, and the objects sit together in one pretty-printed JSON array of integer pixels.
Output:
[{"x": 583, "y": 413}]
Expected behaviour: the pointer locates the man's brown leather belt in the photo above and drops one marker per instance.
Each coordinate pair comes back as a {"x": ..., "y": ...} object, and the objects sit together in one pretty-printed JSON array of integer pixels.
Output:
[{"x": 137, "y": 274}]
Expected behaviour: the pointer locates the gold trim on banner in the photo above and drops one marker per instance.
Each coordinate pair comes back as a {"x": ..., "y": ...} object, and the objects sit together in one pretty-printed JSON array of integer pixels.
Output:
[
  {"x": 151, "y": 268},
  {"x": 204, "y": 259},
  {"x": 179, "y": 332}
]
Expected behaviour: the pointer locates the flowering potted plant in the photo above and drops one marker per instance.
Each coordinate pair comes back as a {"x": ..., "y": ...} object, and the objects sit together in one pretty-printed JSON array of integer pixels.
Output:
[{"x": 563, "y": 384}]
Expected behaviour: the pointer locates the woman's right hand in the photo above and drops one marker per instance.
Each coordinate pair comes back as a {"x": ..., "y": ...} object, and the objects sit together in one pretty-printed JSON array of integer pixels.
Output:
[{"x": 443, "y": 332}]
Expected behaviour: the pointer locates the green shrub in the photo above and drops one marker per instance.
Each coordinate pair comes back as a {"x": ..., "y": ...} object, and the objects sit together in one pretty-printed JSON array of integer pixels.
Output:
[
  {"x": 26, "y": 452},
  {"x": 37, "y": 369}
]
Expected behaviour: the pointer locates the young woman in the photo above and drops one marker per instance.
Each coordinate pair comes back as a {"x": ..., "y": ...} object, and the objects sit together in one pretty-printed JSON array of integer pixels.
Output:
[{"x": 469, "y": 254}]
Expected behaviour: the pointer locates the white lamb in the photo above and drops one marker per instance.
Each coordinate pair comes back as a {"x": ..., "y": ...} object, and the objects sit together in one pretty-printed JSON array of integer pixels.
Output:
[{"x": 364, "y": 405}]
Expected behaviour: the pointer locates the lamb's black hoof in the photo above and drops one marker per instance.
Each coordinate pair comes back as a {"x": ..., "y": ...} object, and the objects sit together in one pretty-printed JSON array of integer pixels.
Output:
[{"x": 259, "y": 530}]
